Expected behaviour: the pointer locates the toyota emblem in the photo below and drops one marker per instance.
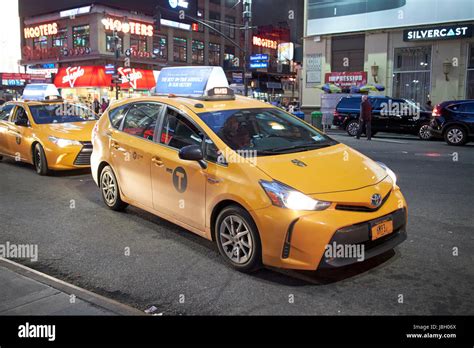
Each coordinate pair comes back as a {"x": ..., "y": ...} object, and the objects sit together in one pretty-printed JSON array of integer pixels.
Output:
[{"x": 376, "y": 200}]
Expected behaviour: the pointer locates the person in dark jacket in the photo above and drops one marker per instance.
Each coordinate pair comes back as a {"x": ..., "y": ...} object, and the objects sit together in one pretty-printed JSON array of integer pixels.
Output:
[{"x": 365, "y": 118}]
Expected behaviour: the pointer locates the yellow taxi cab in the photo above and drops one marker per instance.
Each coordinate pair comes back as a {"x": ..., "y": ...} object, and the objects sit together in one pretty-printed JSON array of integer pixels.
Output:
[
  {"x": 51, "y": 135},
  {"x": 267, "y": 187}
]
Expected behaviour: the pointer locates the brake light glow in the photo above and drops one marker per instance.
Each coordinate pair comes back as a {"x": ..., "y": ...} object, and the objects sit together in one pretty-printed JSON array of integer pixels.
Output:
[{"x": 436, "y": 111}]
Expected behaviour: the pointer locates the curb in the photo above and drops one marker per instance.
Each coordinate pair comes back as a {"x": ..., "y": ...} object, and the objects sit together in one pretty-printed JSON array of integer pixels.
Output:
[{"x": 85, "y": 295}]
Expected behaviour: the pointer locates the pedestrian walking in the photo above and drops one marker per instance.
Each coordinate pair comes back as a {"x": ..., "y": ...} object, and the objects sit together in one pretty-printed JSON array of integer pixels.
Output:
[
  {"x": 429, "y": 105},
  {"x": 96, "y": 105},
  {"x": 365, "y": 118},
  {"x": 104, "y": 105}
]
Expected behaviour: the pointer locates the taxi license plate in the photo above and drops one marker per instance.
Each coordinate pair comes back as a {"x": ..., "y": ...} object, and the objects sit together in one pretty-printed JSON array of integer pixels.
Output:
[{"x": 381, "y": 229}]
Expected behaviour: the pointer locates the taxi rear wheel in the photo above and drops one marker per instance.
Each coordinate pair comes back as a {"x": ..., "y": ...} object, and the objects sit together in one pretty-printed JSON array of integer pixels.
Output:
[
  {"x": 238, "y": 239},
  {"x": 1, "y": 157},
  {"x": 110, "y": 190},
  {"x": 39, "y": 160}
]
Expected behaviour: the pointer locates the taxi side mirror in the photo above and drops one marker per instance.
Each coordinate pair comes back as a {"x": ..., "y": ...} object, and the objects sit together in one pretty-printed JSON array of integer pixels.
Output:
[{"x": 193, "y": 153}]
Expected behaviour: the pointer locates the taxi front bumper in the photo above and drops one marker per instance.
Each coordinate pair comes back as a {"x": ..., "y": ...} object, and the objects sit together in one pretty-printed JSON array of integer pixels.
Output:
[
  {"x": 299, "y": 240},
  {"x": 70, "y": 157}
]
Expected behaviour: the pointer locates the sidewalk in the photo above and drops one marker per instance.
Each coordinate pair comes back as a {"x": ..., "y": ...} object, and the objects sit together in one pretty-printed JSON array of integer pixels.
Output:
[{"x": 24, "y": 291}]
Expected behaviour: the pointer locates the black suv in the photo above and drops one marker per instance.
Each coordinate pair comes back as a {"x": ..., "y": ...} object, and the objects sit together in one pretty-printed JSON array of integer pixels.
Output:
[
  {"x": 454, "y": 120},
  {"x": 388, "y": 115}
]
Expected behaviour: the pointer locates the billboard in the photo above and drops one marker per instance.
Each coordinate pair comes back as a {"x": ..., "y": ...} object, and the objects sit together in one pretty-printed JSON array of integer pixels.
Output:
[{"x": 343, "y": 16}]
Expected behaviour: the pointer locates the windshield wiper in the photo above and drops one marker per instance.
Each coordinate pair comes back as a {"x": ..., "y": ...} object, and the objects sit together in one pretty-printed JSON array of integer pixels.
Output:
[{"x": 305, "y": 147}]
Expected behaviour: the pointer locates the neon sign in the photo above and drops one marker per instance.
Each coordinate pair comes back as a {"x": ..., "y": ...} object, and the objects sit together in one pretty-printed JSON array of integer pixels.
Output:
[
  {"x": 41, "y": 30},
  {"x": 266, "y": 43},
  {"x": 128, "y": 27}
]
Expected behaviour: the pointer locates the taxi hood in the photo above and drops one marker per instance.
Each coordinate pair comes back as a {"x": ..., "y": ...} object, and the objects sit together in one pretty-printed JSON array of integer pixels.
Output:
[
  {"x": 331, "y": 169},
  {"x": 81, "y": 131}
]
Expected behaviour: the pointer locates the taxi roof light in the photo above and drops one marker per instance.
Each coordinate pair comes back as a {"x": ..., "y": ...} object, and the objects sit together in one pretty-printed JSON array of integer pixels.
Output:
[{"x": 202, "y": 83}]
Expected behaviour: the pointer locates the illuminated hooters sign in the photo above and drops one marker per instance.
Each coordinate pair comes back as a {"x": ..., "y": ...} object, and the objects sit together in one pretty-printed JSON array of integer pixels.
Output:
[
  {"x": 266, "y": 43},
  {"x": 41, "y": 30},
  {"x": 134, "y": 28}
]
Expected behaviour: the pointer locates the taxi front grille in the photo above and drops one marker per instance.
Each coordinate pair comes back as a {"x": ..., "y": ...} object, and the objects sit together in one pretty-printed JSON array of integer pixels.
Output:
[
  {"x": 362, "y": 208},
  {"x": 84, "y": 157}
]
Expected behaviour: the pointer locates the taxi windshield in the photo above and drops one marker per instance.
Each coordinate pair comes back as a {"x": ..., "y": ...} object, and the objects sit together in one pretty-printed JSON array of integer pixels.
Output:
[
  {"x": 61, "y": 113},
  {"x": 268, "y": 131}
]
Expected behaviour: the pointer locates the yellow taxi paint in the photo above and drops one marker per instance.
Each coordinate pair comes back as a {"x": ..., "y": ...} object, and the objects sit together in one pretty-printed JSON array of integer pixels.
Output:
[
  {"x": 337, "y": 174},
  {"x": 17, "y": 141}
]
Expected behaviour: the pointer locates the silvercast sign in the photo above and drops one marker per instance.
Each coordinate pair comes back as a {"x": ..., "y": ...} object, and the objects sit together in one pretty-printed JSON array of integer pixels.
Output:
[{"x": 447, "y": 32}]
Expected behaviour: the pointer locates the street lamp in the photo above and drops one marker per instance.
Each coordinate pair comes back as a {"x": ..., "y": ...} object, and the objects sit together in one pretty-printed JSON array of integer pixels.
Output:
[{"x": 247, "y": 16}]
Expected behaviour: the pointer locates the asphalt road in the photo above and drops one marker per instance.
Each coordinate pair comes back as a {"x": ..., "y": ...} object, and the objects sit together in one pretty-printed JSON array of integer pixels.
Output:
[{"x": 83, "y": 242}]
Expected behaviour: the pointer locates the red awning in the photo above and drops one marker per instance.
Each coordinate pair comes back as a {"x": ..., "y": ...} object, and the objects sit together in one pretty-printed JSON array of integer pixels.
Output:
[
  {"x": 95, "y": 76},
  {"x": 82, "y": 76},
  {"x": 136, "y": 78}
]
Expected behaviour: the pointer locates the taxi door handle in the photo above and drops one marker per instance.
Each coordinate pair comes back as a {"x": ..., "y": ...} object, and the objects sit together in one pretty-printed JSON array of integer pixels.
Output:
[
  {"x": 108, "y": 133},
  {"x": 157, "y": 161},
  {"x": 117, "y": 146}
]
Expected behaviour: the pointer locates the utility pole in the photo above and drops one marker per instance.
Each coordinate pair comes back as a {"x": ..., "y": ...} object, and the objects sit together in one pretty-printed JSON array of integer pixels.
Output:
[
  {"x": 117, "y": 48},
  {"x": 247, "y": 17}
]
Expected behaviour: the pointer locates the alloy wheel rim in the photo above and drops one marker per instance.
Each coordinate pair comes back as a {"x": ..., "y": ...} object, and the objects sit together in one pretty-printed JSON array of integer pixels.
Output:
[
  {"x": 353, "y": 128},
  {"x": 235, "y": 239},
  {"x": 109, "y": 188},
  {"x": 425, "y": 132},
  {"x": 455, "y": 135}
]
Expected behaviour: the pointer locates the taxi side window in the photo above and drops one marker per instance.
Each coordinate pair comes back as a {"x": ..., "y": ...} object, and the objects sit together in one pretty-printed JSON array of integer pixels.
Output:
[
  {"x": 5, "y": 112},
  {"x": 20, "y": 114},
  {"x": 178, "y": 132},
  {"x": 141, "y": 120},
  {"x": 116, "y": 116}
]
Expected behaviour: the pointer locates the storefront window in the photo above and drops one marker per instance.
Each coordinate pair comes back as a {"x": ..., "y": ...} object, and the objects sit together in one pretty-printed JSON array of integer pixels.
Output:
[
  {"x": 139, "y": 44},
  {"x": 412, "y": 73},
  {"x": 40, "y": 42},
  {"x": 470, "y": 74},
  {"x": 179, "y": 50},
  {"x": 60, "y": 39},
  {"x": 110, "y": 43},
  {"x": 198, "y": 52},
  {"x": 81, "y": 36},
  {"x": 348, "y": 53},
  {"x": 160, "y": 47},
  {"x": 214, "y": 54}
]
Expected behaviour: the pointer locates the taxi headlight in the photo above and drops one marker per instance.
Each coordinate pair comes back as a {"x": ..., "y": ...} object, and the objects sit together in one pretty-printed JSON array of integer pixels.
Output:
[
  {"x": 64, "y": 142},
  {"x": 390, "y": 173},
  {"x": 286, "y": 197}
]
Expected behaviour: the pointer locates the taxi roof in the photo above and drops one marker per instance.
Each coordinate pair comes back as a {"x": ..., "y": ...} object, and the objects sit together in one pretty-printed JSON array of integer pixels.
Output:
[{"x": 198, "y": 105}]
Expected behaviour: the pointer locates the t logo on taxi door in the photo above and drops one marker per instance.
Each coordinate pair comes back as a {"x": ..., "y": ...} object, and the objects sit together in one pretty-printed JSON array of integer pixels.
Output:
[{"x": 180, "y": 179}]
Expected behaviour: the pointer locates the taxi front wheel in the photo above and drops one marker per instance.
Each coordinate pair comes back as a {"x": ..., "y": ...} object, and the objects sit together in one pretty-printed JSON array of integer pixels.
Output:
[
  {"x": 238, "y": 239},
  {"x": 39, "y": 160},
  {"x": 110, "y": 190}
]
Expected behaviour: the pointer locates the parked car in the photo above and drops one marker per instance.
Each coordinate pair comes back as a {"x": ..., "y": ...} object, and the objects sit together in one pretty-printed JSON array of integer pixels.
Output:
[
  {"x": 394, "y": 115},
  {"x": 454, "y": 121}
]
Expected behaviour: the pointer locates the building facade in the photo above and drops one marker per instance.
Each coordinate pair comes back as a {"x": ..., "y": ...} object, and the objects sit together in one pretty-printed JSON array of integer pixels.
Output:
[
  {"x": 414, "y": 53},
  {"x": 56, "y": 37}
]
